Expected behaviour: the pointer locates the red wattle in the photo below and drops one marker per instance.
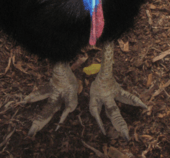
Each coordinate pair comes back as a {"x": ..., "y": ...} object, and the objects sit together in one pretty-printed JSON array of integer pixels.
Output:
[{"x": 97, "y": 25}]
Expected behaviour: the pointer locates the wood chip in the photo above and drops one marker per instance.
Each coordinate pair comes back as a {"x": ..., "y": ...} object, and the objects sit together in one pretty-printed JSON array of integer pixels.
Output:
[
  {"x": 149, "y": 81},
  {"x": 124, "y": 46},
  {"x": 161, "y": 56},
  {"x": 161, "y": 88},
  {"x": 114, "y": 153},
  {"x": 149, "y": 17}
]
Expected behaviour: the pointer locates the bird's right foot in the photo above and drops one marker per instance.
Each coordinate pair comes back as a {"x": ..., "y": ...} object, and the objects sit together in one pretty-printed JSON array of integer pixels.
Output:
[{"x": 62, "y": 87}]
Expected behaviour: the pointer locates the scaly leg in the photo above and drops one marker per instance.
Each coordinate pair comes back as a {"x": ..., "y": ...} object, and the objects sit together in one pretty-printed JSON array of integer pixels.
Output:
[
  {"x": 104, "y": 89},
  {"x": 63, "y": 86}
]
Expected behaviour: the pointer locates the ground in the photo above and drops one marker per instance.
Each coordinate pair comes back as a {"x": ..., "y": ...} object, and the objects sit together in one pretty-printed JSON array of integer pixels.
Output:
[{"x": 143, "y": 70}]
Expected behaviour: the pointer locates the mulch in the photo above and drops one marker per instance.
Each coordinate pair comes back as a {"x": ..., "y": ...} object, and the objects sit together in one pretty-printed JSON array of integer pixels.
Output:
[{"x": 142, "y": 67}]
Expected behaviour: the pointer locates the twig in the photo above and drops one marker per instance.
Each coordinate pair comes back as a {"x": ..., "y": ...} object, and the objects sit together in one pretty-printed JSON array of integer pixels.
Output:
[
  {"x": 97, "y": 152},
  {"x": 6, "y": 139},
  {"x": 82, "y": 133},
  {"x": 161, "y": 56}
]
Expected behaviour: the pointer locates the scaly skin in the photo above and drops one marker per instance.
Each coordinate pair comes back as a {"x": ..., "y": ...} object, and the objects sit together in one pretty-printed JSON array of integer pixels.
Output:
[
  {"x": 104, "y": 89},
  {"x": 62, "y": 87}
]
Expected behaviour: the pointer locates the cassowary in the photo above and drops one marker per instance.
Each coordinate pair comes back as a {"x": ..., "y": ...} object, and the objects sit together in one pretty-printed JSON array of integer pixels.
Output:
[{"x": 58, "y": 29}]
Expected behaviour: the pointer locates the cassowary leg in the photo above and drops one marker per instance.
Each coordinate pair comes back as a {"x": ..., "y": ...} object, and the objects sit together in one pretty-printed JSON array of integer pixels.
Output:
[
  {"x": 62, "y": 87},
  {"x": 104, "y": 89}
]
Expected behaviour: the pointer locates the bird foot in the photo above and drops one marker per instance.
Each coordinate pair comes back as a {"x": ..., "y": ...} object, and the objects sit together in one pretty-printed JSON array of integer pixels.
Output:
[
  {"x": 104, "y": 93},
  {"x": 62, "y": 88},
  {"x": 105, "y": 89}
]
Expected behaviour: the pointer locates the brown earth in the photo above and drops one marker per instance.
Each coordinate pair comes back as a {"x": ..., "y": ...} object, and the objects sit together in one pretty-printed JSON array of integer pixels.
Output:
[{"x": 136, "y": 70}]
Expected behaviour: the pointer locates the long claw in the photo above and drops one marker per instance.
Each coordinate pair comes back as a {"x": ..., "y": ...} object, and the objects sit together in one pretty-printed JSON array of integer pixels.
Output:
[
  {"x": 100, "y": 123},
  {"x": 37, "y": 125},
  {"x": 125, "y": 134},
  {"x": 45, "y": 116},
  {"x": 33, "y": 130},
  {"x": 95, "y": 113},
  {"x": 63, "y": 117},
  {"x": 130, "y": 99}
]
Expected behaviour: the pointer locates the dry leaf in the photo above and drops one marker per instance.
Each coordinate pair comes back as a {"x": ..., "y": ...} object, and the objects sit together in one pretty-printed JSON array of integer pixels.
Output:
[
  {"x": 92, "y": 69},
  {"x": 124, "y": 46}
]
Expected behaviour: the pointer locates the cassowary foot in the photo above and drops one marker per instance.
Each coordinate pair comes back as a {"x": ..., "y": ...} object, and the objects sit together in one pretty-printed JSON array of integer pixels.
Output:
[
  {"x": 62, "y": 88},
  {"x": 103, "y": 92}
]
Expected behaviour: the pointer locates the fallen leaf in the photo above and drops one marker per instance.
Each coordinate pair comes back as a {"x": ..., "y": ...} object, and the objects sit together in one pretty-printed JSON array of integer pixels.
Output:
[
  {"x": 92, "y": 69},
  {"x": 124, "y": 46}
]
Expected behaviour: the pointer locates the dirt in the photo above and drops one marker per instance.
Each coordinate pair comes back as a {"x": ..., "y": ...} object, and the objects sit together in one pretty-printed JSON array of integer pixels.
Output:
[{"x": 137, "y": 72}]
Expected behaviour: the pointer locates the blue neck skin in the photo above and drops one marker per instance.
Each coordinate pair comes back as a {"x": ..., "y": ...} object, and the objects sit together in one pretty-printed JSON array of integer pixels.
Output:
[{"x": 90, "y": 5}]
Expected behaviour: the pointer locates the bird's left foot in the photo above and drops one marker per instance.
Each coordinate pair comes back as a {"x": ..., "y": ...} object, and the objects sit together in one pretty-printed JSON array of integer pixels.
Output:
[{"x": 103, "y": 92}]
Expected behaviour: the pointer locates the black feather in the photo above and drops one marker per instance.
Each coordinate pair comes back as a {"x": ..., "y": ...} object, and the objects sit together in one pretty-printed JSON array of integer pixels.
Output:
[{"x": 58, "y": 29}]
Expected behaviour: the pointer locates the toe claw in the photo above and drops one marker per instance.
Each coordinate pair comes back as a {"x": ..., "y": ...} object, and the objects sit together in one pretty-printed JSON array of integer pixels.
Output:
[
  {"x": 38, "y": 124},
  {"x": 130, "y": 99},
  {"x": 144, "y": 106},
  {"x": 125, "y": 134},
  {"x": 64, "y": 116},
  {"x": 58, "y": 126},
  {"x": 33, "y": 130},
  {"x": 99, "y": 122}
]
